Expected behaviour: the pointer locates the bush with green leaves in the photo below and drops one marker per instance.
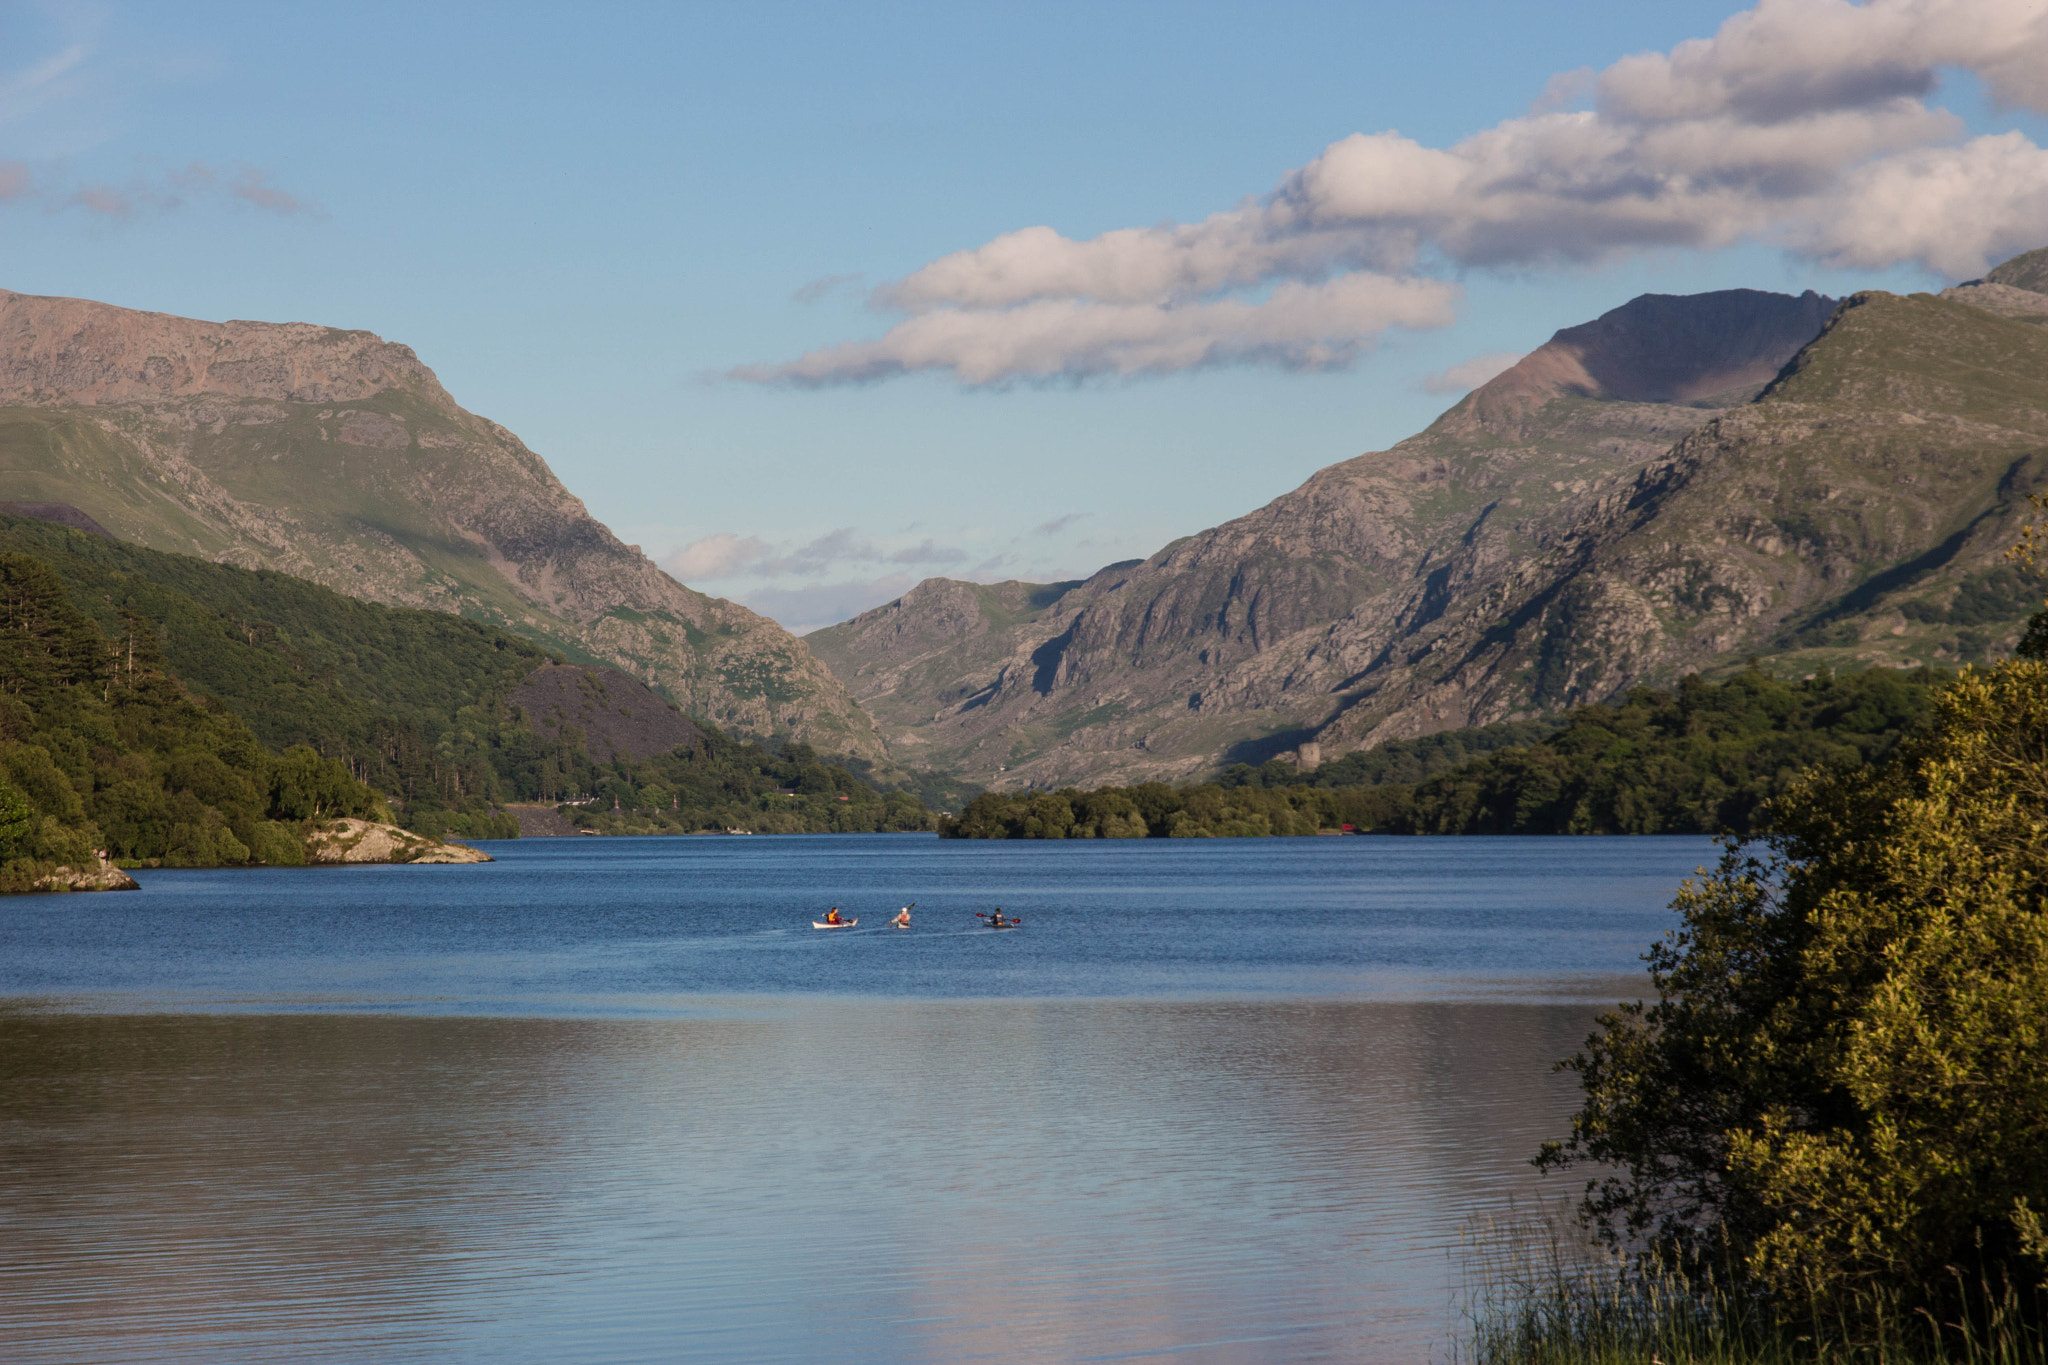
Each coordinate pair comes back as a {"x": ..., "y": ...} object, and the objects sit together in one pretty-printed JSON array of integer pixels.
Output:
[{"x": 1841, "y": 1089}]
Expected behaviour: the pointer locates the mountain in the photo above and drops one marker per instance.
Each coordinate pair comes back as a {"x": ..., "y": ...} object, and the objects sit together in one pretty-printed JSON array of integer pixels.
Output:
[
  {"x": 338, "y": 457},
  {"x": 452, "y": 718},
  {"x": 1676, "y": 486},
  {"x": 2028, "y": 271},
  {"x": 1252, "y": 638}
]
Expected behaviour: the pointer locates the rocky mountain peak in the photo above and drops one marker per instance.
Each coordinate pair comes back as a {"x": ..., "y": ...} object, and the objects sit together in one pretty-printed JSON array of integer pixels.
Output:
[
  {"x": 76, "y": 351},
  {"x": 2027, "y": 271},
  {"x": 1693, "y": 349}
]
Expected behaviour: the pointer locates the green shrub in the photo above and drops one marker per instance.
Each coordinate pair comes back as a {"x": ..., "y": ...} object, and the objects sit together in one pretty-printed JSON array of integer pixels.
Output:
[
  {"x": 277, "y": 845},
  {"x": 1842, "y": 1087}
]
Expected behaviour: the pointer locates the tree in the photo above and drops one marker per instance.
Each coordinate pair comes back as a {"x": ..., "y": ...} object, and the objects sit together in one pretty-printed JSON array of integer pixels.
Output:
[
  {"x": 1841, "y": 1090},
  {"x": 17, "y": 820},
  {"x": 45, "y": 642}
]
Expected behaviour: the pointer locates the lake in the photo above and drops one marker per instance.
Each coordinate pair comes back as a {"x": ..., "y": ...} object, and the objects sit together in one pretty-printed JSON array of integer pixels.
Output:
[{"x": 615, "y": 1100}]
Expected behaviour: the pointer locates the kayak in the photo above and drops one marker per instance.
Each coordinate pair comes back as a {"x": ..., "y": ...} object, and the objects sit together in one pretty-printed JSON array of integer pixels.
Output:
[{"x": 843, "y": 924}]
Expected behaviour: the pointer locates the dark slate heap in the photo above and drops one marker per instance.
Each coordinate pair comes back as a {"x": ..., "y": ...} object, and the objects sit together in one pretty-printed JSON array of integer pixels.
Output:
[
  {"x": 62, "y": 513},
  {"x": 620, "y": 716}
]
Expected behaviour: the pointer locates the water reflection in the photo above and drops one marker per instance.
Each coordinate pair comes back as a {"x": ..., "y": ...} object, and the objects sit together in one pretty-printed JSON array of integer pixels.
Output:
[{"x": 780, "y": 1179}]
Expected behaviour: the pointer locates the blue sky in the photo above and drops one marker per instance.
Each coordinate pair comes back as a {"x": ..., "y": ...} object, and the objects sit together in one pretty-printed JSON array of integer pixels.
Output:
[{"x": 589, "y": 220}]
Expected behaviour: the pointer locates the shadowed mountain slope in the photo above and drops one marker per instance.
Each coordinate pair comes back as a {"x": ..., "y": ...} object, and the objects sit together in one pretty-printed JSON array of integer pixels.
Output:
[
  {"x": 1620, "y": 506},
  {"x": 619, "y": 716},
  {"x": 338, "y": 457},
  {"x": 2028, "y": 271}
]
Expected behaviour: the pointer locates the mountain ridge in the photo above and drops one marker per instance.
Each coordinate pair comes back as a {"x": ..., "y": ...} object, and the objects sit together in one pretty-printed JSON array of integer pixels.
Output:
[
  {"x": 338, "y": 457},
  {"x": 1502, "y": 563}
]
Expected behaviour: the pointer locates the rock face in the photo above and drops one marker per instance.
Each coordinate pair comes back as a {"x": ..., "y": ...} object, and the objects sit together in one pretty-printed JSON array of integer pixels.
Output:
[
  {"x": 367, "y": 841},
  {"x": 1680, "y": 483},
  {"x": 338, "y": 457},
  {"x": 537, "y": 821},
  {"x": 102, "y": 876},
  {"x": 617, "y": 715}
]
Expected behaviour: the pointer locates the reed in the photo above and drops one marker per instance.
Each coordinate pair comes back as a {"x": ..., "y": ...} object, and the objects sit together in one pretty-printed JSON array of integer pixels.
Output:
[{"x": 1537, "y": 1293}]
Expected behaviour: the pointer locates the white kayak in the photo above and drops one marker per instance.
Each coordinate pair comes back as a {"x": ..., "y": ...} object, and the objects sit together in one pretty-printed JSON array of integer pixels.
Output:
[{"x": 843, "y": 924}]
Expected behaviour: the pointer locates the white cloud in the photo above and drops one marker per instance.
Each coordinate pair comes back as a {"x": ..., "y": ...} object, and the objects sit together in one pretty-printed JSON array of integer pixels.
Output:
[
  {"x": 1299, "y": 326},
  {"x": 52, "y": 80},
  {"x": 728, "y": 555},
  {"x": 715, "y": 556},
  {"x": 1469, "y": 374},
  {"x": 1802, "y": 123},
  {"x": 252, "y": 186},
  {"x": 154, "y": 192},
  {"x": 928, "y": 553},
  {"x": 823, "y": 287},
  {"x": 103, "y": 200},
  {"x": 79, "y": 81}
]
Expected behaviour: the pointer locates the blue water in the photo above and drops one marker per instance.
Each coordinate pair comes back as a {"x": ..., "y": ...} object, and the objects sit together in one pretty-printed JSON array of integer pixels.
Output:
[
  {"x": 614, "y": 1100},
  {"x": 626, "y": 926}
]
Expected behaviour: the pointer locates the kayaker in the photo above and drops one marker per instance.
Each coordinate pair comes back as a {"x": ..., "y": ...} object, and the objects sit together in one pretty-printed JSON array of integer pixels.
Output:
[
  {"x": 995, "y": 921},
  {"x": 832, "y": 915},
  {"x": 902, "y": 920}
]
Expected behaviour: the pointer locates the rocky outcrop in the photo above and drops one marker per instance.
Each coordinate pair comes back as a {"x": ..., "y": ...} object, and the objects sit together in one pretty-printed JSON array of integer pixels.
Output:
[
  {"x": 2003, "y": 299},
  {"x": 338, "y": 457},
  {"x": 101, "y": 876},
  {"x": 368, "y": 841}
]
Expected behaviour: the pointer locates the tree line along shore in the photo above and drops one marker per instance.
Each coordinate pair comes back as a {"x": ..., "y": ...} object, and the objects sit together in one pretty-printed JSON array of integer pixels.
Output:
[
  {"x": 1701, "y": 758},
  {"x": 166, "y": 711},
  {"x": 321, "y": 706}
]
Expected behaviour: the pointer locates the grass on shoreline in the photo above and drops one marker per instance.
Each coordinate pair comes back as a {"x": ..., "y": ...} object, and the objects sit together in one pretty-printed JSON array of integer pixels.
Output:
[{"x": 1537, "y": 1293}]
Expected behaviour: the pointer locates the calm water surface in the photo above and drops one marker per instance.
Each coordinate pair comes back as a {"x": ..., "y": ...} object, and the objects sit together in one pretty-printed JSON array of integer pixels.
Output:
[{"x": 614, "y": 1100}]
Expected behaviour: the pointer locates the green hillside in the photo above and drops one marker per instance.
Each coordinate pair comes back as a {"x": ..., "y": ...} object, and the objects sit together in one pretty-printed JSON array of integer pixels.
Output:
[
  {"x": 382, "y": 688},
  {"x": 102, "y": 749},
  {"x": 337, "y": 457},
  {"x": 413, "y": 702}
]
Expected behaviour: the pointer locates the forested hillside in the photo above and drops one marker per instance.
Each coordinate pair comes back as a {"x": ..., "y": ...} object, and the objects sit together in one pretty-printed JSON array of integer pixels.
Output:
[
  {"x": 1701, "y": 759},
  {"x": 415, "y": 703},
  {"x": 102, "y": 749}
]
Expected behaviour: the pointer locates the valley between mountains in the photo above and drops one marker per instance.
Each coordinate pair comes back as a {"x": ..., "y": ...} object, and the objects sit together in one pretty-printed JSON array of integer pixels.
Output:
[{"x": 1677, "y": 486}]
